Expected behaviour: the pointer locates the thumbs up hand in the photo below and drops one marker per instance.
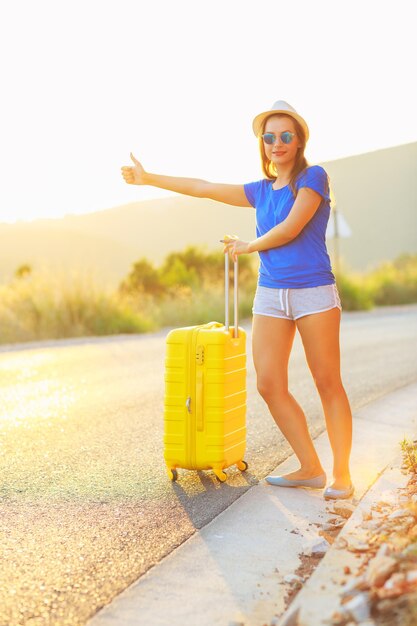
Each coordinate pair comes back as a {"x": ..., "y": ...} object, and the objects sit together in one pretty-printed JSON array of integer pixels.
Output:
[{"x": 134, "y": 175}]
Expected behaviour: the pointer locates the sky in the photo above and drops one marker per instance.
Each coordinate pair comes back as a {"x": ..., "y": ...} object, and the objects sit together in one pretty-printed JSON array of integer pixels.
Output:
[{"x": 178, "y": 82}]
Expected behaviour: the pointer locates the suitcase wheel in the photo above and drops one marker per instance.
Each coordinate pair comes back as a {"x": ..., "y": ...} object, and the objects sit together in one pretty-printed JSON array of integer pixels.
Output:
[
  {"x": 173, "y": 474},
  {"x": 242, "y": 465},
  {"x": 221, "y": 476}
]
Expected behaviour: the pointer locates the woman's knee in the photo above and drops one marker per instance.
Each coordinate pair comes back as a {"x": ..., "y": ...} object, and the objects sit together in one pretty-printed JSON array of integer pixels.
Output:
[
  {"x": 328, "y": 382},
  {"x": 271, "y": 388}
]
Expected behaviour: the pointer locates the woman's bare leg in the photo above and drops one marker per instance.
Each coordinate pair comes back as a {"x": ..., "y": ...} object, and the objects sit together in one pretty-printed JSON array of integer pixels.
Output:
[
  {"x": 272, "y": 340},
  {"x": 320, "y": 335}
]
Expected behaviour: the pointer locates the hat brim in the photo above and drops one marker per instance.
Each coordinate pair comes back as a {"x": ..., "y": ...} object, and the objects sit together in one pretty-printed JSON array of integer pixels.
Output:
[{"x": 259, "y": 120}]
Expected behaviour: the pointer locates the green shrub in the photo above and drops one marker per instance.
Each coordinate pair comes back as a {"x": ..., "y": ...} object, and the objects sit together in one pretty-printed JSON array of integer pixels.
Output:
[
  {"x": 354, "y": 295},
  {"x": 395, "y": 282},
  {"x": 391, "y": 283}
]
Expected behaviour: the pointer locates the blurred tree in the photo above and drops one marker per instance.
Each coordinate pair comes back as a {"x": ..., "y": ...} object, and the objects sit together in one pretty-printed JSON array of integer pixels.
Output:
[
  {"x": 405, "y": 261},
  {"x": 23, "y": 270},
  {"x": 192, "y": 268},
  {"x": 197, "y": 268},
  {"x": 143, "y": 277},
  {"x": 176, "y": 273}
]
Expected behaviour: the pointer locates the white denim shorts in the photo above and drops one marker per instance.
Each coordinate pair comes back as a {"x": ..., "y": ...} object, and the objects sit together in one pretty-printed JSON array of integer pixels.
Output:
[{"x": 291, "y": 304}]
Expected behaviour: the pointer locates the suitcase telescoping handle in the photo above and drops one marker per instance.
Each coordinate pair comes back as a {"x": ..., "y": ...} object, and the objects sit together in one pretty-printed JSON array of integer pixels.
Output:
[{"x": 235, "y": 294}]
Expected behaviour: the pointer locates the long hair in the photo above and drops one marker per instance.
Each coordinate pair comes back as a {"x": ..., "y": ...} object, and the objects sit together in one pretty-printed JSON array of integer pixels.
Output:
[{"x": 268, "y": 167}]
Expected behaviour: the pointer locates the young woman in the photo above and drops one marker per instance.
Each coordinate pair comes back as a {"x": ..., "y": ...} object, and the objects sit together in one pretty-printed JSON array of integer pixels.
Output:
[{"x": 296, "y": 288}]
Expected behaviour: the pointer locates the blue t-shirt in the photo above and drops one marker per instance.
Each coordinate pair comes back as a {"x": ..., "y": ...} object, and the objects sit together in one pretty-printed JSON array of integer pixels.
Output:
[{"x": 304, "y": 261}]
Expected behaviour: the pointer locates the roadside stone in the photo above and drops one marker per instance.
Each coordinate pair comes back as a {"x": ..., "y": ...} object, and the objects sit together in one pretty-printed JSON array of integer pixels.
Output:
[
  {"x": 399, "y": 513},
  {"x": 344, "y": 509},
  {"x": 357, "y": 545},
  {"x": 359, "y": 607},
  {"x": 353, "y": 588},
  {"x": 316, "y": 547},
  {"x": 335, "y": 525},
  {"x": 411, "y": 577},
  {"x": 383, "y": 550},
  {"x": 327, "y": 536},
  {"x": 393, "y": 587},
  {"x": 379, "y": 570}
]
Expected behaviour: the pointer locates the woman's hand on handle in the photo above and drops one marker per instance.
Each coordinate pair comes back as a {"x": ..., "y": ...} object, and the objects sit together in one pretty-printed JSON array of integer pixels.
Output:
[
  {"x": 235, "y": 246},
  {"x": 134, "y": 175}
]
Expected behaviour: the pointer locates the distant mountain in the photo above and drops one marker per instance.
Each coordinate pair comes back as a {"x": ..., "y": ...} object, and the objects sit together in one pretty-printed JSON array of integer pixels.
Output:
[
  {"x": 107, "y": 242},
  {"x": 376, "y": 193}
]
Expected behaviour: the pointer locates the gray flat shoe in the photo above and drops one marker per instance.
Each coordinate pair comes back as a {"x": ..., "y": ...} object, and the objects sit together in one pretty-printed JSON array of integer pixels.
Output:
[
  {"x": 338, "y": 494},
  {"x": 318, "y": 482}
]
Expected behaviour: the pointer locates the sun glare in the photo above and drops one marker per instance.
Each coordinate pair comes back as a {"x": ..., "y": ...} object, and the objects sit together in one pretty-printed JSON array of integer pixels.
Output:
[{"x": 31, "y": 390}]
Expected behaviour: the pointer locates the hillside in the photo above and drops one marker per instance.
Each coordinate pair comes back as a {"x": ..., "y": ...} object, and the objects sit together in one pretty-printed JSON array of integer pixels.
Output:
[
  {"x": 108, "y": 242},
  {"x": 376, "y": 193}
]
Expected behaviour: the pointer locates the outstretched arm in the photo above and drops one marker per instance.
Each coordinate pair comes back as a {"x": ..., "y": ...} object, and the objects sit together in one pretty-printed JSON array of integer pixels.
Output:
[{"x": 229, "y": 194}]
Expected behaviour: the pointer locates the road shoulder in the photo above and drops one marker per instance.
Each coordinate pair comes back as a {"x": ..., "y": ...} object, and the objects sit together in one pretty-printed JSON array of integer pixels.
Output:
[{"x": 237, "y": 568}]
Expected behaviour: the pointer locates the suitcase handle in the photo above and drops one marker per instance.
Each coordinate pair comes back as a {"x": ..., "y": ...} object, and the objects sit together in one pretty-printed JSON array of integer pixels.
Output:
[{"x": 235, "y": 294}]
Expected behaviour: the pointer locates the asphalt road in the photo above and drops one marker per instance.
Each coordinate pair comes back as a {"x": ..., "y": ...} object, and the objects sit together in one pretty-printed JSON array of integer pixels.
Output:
[{"x": 86, "y": 506}]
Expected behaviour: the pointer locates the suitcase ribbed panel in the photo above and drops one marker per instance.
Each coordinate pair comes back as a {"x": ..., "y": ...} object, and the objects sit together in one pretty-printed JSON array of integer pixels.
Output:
[
  {"x": 176, "y": 417},
  {"x": 213, "y": 434}
]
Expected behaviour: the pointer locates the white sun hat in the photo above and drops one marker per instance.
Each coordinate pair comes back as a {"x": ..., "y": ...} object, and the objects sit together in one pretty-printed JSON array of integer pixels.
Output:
[{"x": 279, "y": 107}]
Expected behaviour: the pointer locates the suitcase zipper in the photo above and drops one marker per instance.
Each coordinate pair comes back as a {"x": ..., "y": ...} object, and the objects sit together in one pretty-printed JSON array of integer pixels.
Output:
[
  {"x": 191, "y": 399},
  {"x": 188, "y": 405}
]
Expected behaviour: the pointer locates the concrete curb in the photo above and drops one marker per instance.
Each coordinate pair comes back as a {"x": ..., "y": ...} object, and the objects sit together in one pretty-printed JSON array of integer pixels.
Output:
[
  {"x": 321, "y": 595},
  {"x": 234, "y": 569}
]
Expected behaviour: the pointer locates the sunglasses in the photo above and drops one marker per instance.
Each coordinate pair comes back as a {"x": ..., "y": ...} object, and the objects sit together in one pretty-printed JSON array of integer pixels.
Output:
[{"x": 271, "y": 138}]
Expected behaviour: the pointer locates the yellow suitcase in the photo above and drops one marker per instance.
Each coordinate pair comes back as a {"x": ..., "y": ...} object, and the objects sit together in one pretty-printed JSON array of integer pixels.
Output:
[{"x": 205, "y": 395}]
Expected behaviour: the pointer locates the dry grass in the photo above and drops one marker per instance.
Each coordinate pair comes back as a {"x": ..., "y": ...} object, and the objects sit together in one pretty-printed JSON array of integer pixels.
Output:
[{"x": 52, "y": 305}]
